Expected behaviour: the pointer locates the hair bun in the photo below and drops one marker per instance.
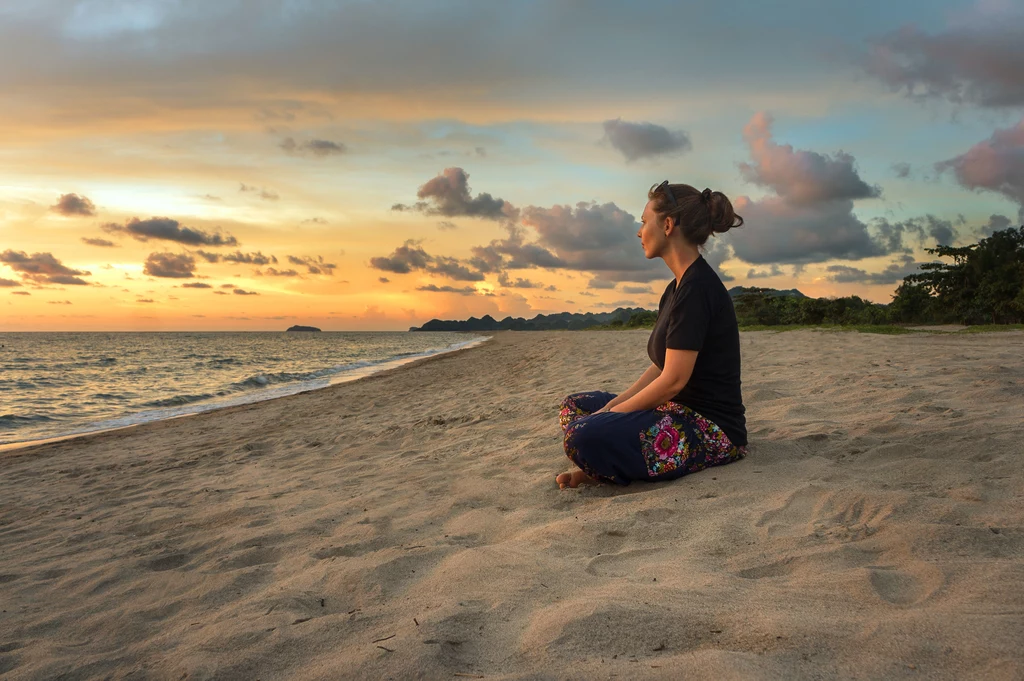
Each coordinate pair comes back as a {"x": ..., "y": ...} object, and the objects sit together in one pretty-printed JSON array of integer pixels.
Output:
[{"x": 705, "y": 195}]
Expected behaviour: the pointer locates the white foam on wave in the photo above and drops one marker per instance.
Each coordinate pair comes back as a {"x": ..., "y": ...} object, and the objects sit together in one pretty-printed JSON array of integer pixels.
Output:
[{"x": 333, "y": 376}]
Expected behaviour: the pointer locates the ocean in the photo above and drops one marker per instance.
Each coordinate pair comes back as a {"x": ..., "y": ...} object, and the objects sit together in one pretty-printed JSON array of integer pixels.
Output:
[{"x": 57, "y": 384}]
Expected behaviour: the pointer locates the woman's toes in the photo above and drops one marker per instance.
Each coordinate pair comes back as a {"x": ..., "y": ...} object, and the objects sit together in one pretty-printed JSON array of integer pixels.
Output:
[{"x": 563, "y": 480}]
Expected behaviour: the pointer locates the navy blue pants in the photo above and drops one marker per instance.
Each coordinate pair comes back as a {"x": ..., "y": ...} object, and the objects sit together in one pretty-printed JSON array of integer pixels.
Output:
[{"x": 657, "y": 444}]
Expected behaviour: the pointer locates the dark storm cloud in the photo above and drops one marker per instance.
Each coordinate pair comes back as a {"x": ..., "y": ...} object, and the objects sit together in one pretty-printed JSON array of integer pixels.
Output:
[
  {"x": 313, "y": 265},
  {"x": 896, "y": 271},
  {"x": 449, "y": 195},
  {"x": 315, "y": 147},
  {"x": 239, "y": 258},
  {"x": 73, "y": 204},
  {"x": 800, "y": 177},
  {"x": 978, "y": 63},
  {"x": 601, "y": 284},
  {"x": 645, "y": 140},
  {"x": 43, "y": 268},
  {"x": 170, "y": 265},
  {"x": 466, "y": 291},
  {"x": 264, "y": 194},
  {"x": 98, "y": 242},
  {"x": 995, "y": 164},
  {"x": 166, "y": 229}
]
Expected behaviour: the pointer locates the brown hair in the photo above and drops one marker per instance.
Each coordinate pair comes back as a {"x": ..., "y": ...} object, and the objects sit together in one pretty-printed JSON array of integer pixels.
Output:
[{"x": 698, "y": 214}]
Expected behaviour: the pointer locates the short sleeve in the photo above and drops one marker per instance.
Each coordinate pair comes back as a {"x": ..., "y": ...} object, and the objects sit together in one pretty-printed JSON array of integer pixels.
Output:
[{"x": 689, "y": 318}]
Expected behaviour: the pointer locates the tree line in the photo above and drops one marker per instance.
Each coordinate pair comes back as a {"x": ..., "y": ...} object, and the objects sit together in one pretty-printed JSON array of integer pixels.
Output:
[{"x": 984, "y": 284}]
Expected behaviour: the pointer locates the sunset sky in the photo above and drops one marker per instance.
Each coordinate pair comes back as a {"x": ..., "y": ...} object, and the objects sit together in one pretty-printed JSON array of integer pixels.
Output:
[{"x": 230, "y": 165}]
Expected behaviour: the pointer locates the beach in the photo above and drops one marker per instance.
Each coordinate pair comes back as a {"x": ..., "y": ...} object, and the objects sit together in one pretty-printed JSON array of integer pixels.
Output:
[{"x": 407, "y": 526}]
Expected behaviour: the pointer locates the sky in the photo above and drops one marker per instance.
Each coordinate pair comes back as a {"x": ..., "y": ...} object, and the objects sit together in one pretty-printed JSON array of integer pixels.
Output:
[{"x": 353, "y": 165}]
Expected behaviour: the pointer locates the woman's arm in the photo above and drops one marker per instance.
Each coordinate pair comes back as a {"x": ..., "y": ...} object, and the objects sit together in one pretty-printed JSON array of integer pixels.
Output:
[
  {"x": 678, "y": 369},
  {"x": 645, "y": 380}
]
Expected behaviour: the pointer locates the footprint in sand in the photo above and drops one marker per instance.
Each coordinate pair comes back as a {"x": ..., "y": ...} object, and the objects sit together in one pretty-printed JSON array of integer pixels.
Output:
[
  {"x": 904, "y": 587},
  {"x": 832, "y": 516}
]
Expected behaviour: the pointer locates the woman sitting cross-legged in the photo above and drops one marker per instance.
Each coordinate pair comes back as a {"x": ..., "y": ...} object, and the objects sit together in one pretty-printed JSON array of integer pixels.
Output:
[{"x": 685, "y": 413}]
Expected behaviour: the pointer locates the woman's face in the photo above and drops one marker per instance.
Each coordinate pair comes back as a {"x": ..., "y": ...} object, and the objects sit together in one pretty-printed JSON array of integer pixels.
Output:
[{"x": 652, "y": 232}]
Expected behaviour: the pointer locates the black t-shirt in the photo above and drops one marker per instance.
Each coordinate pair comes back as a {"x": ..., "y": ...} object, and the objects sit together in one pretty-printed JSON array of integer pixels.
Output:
[{"x": 698, "y": 315}]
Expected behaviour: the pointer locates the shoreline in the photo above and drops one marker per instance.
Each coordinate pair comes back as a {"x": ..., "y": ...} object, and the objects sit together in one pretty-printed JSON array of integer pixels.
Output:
[{"x": 358, "y": 374}]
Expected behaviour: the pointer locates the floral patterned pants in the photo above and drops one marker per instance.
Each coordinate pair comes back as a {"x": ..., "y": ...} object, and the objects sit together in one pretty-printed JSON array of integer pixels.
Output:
[{"x": 663, "y": 443}]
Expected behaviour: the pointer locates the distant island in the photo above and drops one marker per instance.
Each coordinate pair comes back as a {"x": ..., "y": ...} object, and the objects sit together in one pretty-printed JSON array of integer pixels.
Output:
[
  {"x": 312, "y": 329},
  {"x": 571, "y": 320}
]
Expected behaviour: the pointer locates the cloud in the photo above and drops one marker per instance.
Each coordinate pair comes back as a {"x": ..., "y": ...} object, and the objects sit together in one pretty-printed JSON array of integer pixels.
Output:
[
  {"x": 316, "y": 147},
  {"x": 238, "y": 257},
  {"x": 8, "y": 283},
  {"x": 58, "y": 302},
  {"x": 314, "y": 265},
  {"x": 446, "y": 224},
  {"x": 644, "y": 140},
  {"x": 466, "y": 291},
  {"x": 782, "y": 232},
  {"x": 926, "y": 230},
  {"x": 196, "y": 284},
  {"x": 240, "y": 292},
  {"x": 979, "y": 63},
  {"x": 518, "y": 282},
  {"x": 145, "y": 300},
  {"x": 601, "y": 284},
  {"x": 272, "y": 272},
  {"x": 764, "y": 274},
  {"x": 314, "y": 221},
  {"x": 996, "y": 223},
  {"x": 166, "y": 229},
  {"x": 383, "y": 280},
  {"x": 43, "y": 268},
  {"x": 448, "y": 195},
  {"x": 634, "y": 290},
  {"x": 20, "y": 293},
  {"x": 170, "y": 265},
  {"x": 894, "y": 272},
  {"x": 901, "y": 169},
  {"x": 810, "y": 218},
  {"x": 592, "y": 237},
  {"x": 264, "y": 194},
  {"x": 800, "y": 177},
  {"x": 73, "y": 204},
  {"x": 411, "y": 256},
  {"x": 98, "y": 242},
  {"x": 995, "y": 164}
]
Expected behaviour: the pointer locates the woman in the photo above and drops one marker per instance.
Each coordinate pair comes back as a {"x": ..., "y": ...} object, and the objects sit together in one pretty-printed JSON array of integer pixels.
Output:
[{"x": 685, "y": 412}]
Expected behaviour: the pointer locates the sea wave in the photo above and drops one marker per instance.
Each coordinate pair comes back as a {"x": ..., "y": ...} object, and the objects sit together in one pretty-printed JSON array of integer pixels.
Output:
[{"x": 15, "y": 420}]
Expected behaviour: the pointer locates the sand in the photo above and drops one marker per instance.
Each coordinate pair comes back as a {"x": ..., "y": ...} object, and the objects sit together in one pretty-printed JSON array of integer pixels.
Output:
[{"x": 408, "y": 526}]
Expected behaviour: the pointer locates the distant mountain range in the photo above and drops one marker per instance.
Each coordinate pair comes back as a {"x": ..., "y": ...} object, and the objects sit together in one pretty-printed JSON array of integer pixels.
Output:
[{"x": 565, "y": 320}]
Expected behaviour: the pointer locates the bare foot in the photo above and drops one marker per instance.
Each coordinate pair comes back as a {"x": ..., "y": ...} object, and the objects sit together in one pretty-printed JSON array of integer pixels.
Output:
[{"x": 574, "y": 479}]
